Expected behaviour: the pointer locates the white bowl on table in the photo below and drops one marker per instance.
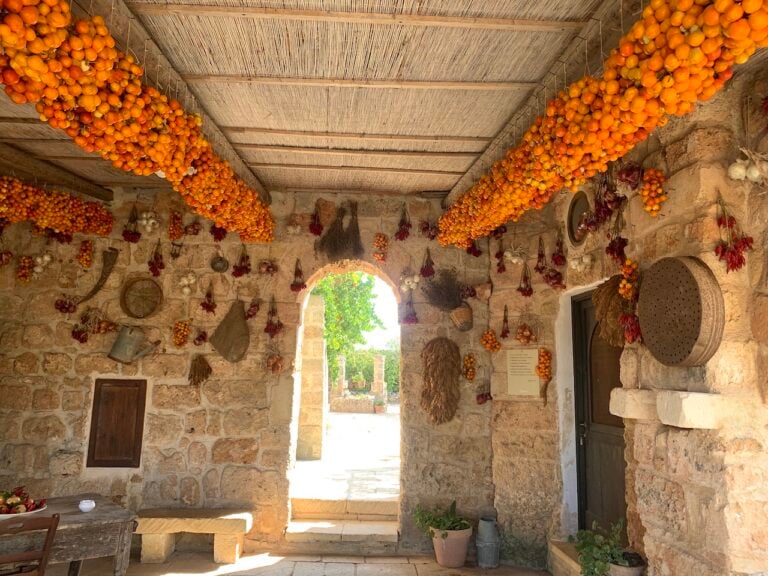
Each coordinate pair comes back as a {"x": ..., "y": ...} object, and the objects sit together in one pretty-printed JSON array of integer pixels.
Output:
[{"x": 86, "y": 505}]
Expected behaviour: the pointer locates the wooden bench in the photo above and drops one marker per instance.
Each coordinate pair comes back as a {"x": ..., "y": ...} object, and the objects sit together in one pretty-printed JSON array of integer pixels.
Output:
[{"x": 158, "y": 529}]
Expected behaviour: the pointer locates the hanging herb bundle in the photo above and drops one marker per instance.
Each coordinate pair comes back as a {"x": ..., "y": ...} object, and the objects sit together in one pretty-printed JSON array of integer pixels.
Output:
[
  {"x": 315, "y": 226},
  {"x": 489, "y": 341},
  {"x": 217, "y": 232},
  {"x": 558, "y": 255},
  {"x": 92, "y": 321},
  {"x": 298, "y": 283},
  {"x": 274, "y": 326},
  {"x": 6, "y": 257},
  {"x": 410, "y": 311},
  {"x": 525, "y": 288},
  {"x": 474, "y": 250},
  {"x": 607, "y": 199},
  {"x": 428, "y": 266},
  {"x": 609, "y": 306},
  {"x": 85, "y": 254},
  {"x": 428, "y": 230},
  {"x": 616, "y": 242},
  {"x": 181, "y": 331},
  {"x": 131, "y": 229},
  {"x": 209, "y": 303},
  {"x": 440, "y": 392},
  {"x": 339, "y": 243},
  {"x": 253, "y": 308},
  {"x": 443, "y": 291},
  {"x": 541, "y": 258},
  {"x": 175, "y": 228},
  {"x": 501, "y": 266},
  {"x": 380, "y": 247},
  {"x": 199, "y": 370},
  {"x": 404, "y": 225},
  {"x": 156, "y": 263},
  {"x": 554, "y": 278},
  {"x": 243, "y": 265},
  {"x": 505, "y": 324},
  {"x": 733, "y": 243},
  {"x": 630, "y": 174}
]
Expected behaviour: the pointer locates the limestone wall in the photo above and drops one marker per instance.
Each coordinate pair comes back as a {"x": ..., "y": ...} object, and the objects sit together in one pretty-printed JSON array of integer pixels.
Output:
[
  {"x": 314, "y": 382},
  {"x": 227, "y": 442},
  {"x": 696, "y": 503}
]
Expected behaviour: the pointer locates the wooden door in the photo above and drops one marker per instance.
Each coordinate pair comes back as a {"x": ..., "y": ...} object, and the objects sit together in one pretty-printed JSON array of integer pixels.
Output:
[{"x": 599, "y": 434}]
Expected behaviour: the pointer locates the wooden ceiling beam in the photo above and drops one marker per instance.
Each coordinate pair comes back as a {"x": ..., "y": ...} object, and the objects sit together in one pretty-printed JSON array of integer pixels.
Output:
[
  {"x": 426, "y": 194},
  {"x": 377, "y": 18},
  {"x": 14, "y": 120},
  {"x": 13, "y": 159},
  {"x": 359, "y": 83},
  {"x": 354, "y": 152},
  {"x": 258, "y": 165},
  {"x": 353, "y": 135}
]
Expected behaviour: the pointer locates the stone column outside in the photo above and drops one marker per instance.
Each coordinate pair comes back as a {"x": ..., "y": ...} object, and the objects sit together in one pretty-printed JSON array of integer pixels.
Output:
[
  {"x": 379, "y": 387},
  {"x": 314, "y": 383}
]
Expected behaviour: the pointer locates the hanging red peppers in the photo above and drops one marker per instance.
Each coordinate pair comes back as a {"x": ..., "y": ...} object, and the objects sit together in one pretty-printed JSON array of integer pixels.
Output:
[
  {"x": 501, "y": 266},
  {"x": 541, "y": 258},
  {"x": 474, "y": 250},
  {"x": 217, "y": 232},
  {"x": 209, "y": 303},
  {"x": 274, "y": 326},
  {"x": 505, "y": 324},
  {"x": 558, "y": 255},
  {"x": 428, "y": 267},
  {"x": 732, "y": 248},
  {"x": 131, "y": 229},
  {"x": 404, "y": 226},
  {"x": 243, "y": 265},
  {"x": 315, "y": 226},
  {"x": 410, "y": 312},
  {"x": 156, "y": 263},
  {"x": 525, "y": 287},
  {"x": 298, "y": 283}
]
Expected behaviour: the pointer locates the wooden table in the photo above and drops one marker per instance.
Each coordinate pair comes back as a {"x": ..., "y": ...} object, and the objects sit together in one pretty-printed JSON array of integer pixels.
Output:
[{"x": 106, "y": 531}]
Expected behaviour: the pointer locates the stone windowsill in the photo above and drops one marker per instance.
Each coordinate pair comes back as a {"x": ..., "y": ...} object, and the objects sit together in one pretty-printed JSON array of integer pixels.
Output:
[{"x": 694, "y": 410}]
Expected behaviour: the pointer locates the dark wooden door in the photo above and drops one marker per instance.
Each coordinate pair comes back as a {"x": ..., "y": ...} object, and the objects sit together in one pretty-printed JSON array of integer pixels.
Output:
[{"x": 599, "y": 434}]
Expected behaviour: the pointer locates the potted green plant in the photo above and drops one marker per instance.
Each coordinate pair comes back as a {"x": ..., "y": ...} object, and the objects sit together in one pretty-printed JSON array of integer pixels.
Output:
[
  {"x": 379, "y": 406},
  {"x": 601, "y": 553},
  {"x": 450, "y": 533}
]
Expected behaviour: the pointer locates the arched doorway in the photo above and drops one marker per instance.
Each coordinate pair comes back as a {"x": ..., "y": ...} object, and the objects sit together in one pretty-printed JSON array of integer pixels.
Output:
[{"x": 345, "y": 474}]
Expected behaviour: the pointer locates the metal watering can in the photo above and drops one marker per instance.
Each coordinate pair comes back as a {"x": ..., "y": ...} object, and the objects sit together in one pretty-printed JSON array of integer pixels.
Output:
[{"x": 130, "y": 345}]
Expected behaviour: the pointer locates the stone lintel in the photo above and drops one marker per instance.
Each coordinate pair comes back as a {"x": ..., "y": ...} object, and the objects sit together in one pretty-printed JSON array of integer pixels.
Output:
[
  {"x": 198, "y": 521},
  {"x": 633, "y": 403},
  {"x": 693, "y": 409}
]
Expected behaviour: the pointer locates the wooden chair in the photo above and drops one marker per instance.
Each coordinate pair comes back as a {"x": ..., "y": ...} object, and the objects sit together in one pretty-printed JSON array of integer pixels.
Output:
[{"x": 32, "y": 562}]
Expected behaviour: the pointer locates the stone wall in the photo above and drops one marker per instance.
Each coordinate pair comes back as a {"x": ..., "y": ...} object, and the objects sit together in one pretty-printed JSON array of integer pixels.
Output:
[
  {"x": 227, "y": 442},
  {"x": 314, "y": 382}
]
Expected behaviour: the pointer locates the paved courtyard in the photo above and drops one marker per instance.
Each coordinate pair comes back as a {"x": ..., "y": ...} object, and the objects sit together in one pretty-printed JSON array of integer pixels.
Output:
[
  {"x": 361, "y": 459},
  {"x": 201, "y": 564}
]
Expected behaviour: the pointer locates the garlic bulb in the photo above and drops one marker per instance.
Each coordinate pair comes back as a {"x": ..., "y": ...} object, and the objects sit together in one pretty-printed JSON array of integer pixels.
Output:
[
  {"x": 186, "y": 290},
  {"x": 39, "y": 260},
  {"x": 737, "y": 170},
  {"x": 38, "y": 269},
  {"x": 753, "y": 173}
]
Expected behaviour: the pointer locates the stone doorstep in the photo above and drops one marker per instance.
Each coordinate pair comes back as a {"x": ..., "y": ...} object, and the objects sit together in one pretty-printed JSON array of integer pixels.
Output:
[
  {"x": 366, "y": 510},
  {"x": 341, "y": 531},
  {"x": 563, "y": 559}
]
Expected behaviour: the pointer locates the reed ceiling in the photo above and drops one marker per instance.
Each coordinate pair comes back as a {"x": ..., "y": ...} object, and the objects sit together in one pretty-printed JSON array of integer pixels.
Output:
[{"x": 396, "y": 97}]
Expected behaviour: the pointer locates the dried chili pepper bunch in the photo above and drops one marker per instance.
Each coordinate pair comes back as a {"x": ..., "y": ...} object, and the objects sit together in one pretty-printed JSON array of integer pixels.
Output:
[
  {"x": 274, "y": 325},
  {"x": 217, "y": 232},
  {"x": 267, "y": 266},
  {"x": 175, "y": 227},
  {"x": 617, "y": 244},
  {"x": 65, "y": 304},
  {"x": 628, "y": 289},
  {"x": 733, "y": 243},
  {"x": 298, "y": 283},
  {"x": 428, "y": 266},
  {"x": 525, "y": 288},
  {"x": 200, "y": 338},
  {"x": 209, "y": 302},
  {"x": 498, "y": 232},
  {"x": 404, "y": 225},
  {"x": 243, "y": 265},
  {"x": 428, "y": 230},
  {"x": 558, "y": 255},
  {"x": 554, "y": 278},
  {"x": 253, "y": 308},
  {"x": 474, "y": 250},
  {"x": 92, "y": 321},
  {"x": 131, "y": 229},
  {"x": 541, "y": 258},
  {"x": 193, "y": 228},
  {"x": 315, "y": 226},
  {"x": 156, "y": 263},
  {"x": 6, "y": 257}
]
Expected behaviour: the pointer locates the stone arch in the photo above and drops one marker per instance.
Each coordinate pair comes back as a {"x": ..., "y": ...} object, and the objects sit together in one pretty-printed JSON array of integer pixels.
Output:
[{"x": 344, "y": 266}]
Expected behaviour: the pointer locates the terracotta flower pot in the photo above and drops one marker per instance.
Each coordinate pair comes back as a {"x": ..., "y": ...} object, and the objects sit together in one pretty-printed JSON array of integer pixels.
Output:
[
  {"x": 451, "y": 547},
  {"x": 616, "y": 570}
]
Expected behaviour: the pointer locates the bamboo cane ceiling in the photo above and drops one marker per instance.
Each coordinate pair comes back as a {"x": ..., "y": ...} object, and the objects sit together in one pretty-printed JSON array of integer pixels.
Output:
[{"x": 383, "y": 96}]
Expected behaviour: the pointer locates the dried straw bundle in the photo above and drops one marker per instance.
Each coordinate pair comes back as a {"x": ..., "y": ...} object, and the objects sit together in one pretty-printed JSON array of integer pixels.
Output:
[
  {"x": 440, "y": 391},
  {"x": 341, "y": 243},
  {"x": 199, "y": 371},
  {"x": 444, "y": 291},
  {"x": 608, "y": 308}
]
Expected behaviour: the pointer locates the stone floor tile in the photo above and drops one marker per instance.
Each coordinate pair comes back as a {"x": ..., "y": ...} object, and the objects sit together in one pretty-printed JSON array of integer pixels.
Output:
[
  {"x": 309, "y": 569},
  {"x": 425, "y": 559},
  {"x": 339, "y": 569},
  {"x": 386, "y": 570},
  {"x": 344, "y": 559},
  {"x": 369, "y": 531},
  {"x": 313, "y": 531},
  {"x": 386, "y": 560}
]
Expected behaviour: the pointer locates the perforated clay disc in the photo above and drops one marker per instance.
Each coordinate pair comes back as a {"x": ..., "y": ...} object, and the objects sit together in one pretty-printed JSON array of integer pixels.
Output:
[
  {"x": 141, "y": 297},
  {"x": 681, "y": 311}
]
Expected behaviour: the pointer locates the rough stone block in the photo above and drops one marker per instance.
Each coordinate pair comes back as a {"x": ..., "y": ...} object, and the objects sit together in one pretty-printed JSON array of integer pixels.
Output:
[
  {"x": 45, "y": 399},
  {"x": 173, "y": 397},
  {"x": 156, "y": 548},
  {"x": 55, "y": 363},
  {"x": 633, "y": 403},
  {"x": 235, "y": 451},
  {"x": 227, "y": 548},
  {"x": 25, "y": 363},
  {"x": 693, "y": 409},
  {"x": 43, "y": 429}
]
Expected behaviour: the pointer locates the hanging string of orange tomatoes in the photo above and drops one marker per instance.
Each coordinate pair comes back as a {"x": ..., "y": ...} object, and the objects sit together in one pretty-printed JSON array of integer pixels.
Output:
[
  {"x": 82, "y": 84},
  {"x": 56, "y": 211},
  {"x": 678, "y": 53}
]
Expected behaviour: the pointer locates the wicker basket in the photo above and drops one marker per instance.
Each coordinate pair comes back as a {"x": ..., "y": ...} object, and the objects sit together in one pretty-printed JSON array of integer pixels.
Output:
[{"x": 462, "y": 317}]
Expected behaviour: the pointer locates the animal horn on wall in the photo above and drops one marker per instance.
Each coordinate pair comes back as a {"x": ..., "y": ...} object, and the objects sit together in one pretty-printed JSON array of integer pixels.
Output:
[{"x": 108, "y": 261}]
